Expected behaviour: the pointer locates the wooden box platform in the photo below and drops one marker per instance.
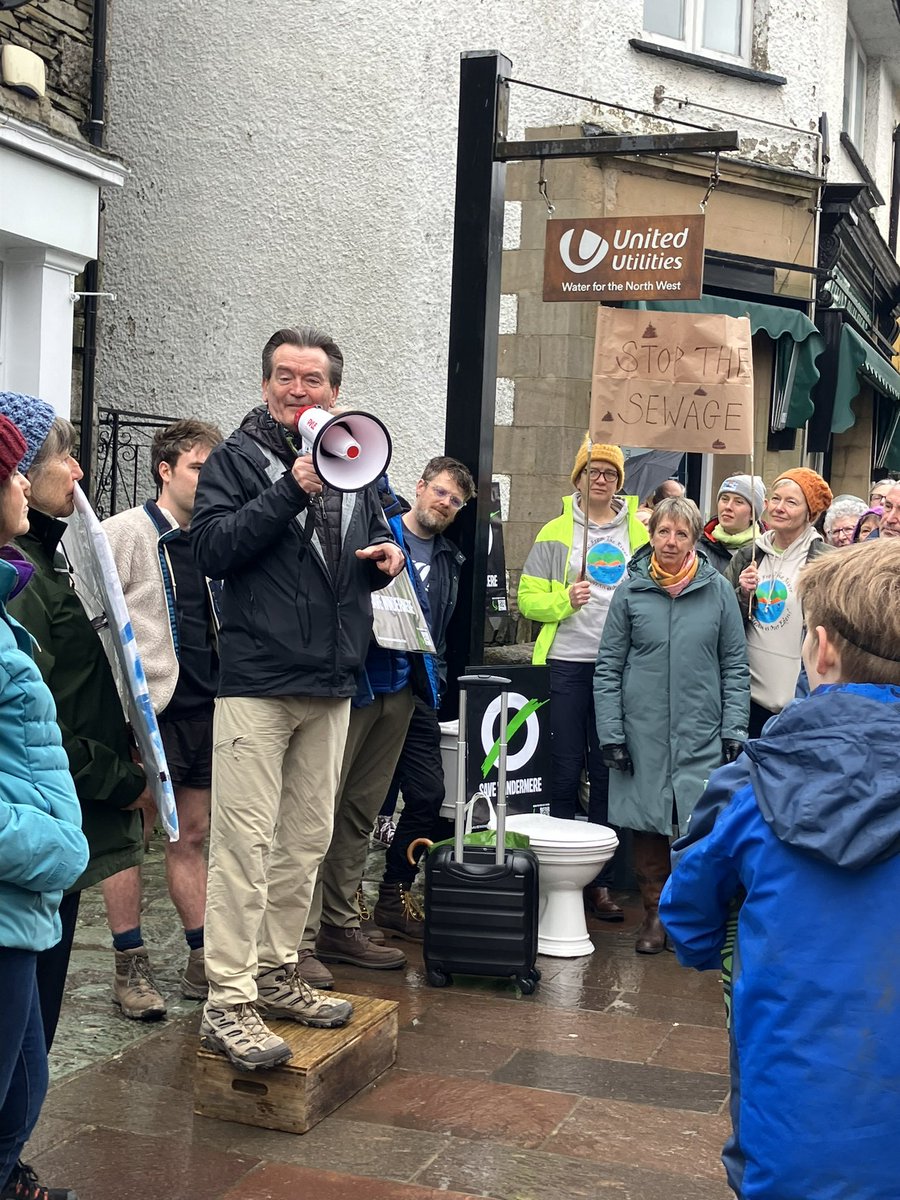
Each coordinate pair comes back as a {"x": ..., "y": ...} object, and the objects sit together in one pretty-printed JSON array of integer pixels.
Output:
[{"x": 329, "y": 1066}]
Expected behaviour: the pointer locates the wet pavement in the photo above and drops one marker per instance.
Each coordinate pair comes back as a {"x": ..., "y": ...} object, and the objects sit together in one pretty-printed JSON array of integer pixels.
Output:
[{"x": 610, "y": 1081}]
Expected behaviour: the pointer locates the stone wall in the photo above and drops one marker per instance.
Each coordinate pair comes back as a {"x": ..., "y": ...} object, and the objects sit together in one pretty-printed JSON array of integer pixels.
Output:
[{"x": 59, "y": 31}]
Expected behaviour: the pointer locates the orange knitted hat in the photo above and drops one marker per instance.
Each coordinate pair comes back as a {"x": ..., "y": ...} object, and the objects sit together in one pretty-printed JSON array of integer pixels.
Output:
[
  {"x": 814, "y": 488},
  {"x": 610, "y": 454}
]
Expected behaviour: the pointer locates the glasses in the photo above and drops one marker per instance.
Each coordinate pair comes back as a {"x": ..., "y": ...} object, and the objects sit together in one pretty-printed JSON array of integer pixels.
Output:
[
  {"x": 609, "y": 476},
  {"x": 447, "y": 497}
]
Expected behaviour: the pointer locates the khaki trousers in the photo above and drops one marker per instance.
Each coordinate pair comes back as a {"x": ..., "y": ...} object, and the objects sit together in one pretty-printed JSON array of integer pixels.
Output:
[
  {"x": 276, "y": 767},
  {"x": 374, "y": 741}
]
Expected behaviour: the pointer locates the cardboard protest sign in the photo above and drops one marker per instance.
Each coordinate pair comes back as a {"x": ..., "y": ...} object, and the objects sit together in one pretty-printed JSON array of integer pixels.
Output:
[{"x": 673, "y": 381}]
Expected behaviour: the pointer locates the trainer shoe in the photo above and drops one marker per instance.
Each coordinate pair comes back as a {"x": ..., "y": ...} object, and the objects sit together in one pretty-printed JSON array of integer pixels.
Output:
[
  {"x": 23, "y": 1185},
  {"x": 383, "y": 832},
  {"x": 193, "y": 979},
  {"x": 243, "y": 1037},
  {"x": 133, "y": 988},
  {"x": 350, "y": 945},
  {"x": 399, "y": 912},
  {"x": 366, "y": 924},
  {"x": 282, "y": 992},
  {"x": 316, "y": 974}
]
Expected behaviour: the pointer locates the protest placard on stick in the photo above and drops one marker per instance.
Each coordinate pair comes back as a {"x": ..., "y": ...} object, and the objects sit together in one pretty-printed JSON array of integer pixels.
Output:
[{"x": 673, "y": 381}]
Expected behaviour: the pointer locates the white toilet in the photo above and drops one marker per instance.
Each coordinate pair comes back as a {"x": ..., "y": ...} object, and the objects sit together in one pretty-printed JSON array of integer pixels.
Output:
[{"x": 569, "y": 853}]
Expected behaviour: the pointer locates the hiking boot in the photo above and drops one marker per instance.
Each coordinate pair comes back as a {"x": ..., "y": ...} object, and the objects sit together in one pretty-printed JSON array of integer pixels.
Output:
[
  {"x": 598, "y": 903},
  {"x": 366, "y": 924},
  {"x": 350, "y": 945},
  {"x": 316, "y": 974},
  {"x": 133, "y": 988},
  {"x": 243, "y": 1037},
  {"x": 284, "y": 993},
  {"x": 23, "y": 1185},
  {"x": 383, "y": 832},
  {"x": 193, "y": 979},
  {"x": 399, "y": 912}
]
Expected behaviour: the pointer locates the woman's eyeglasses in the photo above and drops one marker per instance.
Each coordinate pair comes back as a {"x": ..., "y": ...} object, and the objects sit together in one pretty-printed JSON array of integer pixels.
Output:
[{"x": 609, "y": 476}]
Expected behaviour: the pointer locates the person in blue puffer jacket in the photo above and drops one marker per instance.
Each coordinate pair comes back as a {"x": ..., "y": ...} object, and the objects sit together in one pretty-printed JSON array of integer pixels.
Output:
[
  {"x": 790, "y": 866},
  {"x": 42, "y": 848}
]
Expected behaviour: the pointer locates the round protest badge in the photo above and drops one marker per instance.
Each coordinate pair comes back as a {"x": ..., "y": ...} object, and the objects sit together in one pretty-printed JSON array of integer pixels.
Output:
[{"x": 606, "y": 563}]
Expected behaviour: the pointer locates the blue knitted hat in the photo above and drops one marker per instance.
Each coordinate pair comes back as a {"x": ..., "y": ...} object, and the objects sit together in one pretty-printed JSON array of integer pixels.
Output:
[{"x": 33, "y": 418}]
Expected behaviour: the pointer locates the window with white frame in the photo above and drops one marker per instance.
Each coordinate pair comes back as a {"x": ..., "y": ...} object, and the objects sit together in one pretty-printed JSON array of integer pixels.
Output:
[
  {"x": 721, "y": 28},
  {"x": 854, "y": 89}
]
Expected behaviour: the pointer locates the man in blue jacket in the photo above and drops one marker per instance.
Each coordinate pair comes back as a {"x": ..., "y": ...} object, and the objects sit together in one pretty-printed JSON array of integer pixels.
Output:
[
  {"x": 298, "y": 563},
  {"x": 786, "y": 878}
]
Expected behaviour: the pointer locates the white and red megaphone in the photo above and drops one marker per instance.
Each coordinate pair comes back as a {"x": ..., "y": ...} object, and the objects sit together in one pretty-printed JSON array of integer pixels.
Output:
[{"x": 349, "y": 450}]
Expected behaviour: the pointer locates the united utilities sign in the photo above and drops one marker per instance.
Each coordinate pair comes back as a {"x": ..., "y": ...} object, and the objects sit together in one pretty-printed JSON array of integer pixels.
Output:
[{"x": 604, "y": 259}]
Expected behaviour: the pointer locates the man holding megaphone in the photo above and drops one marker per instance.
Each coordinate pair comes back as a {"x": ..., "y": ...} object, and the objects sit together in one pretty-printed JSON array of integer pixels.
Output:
[{"x": 286, "y": 518}]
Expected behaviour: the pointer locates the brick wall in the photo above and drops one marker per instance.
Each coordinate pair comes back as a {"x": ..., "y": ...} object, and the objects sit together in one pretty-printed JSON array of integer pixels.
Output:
[{"x": 59, "y": 31}]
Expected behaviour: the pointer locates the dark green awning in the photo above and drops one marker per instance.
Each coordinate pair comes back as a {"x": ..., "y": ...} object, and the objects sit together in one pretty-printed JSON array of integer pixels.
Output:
[
  {"x": 794, "y": 334},
  {"x": 859, "y": 363}
]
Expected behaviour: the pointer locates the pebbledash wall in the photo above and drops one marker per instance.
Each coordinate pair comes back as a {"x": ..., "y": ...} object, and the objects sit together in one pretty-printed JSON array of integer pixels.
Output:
[{"x": 296, "y": 163}]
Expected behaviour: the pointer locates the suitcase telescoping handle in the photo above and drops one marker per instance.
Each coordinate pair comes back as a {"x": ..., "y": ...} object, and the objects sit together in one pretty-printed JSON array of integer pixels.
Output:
[{"x": 465, "y": 682}]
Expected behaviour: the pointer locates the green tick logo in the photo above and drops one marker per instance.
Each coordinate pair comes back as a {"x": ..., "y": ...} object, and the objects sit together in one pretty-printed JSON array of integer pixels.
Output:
[{"x": 525, "y": 714}]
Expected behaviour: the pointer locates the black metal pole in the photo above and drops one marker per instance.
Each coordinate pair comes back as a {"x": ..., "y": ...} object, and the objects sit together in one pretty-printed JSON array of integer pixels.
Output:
[
  {"x": 96, "y": 128},
  {"x": 474, "y": 324}
]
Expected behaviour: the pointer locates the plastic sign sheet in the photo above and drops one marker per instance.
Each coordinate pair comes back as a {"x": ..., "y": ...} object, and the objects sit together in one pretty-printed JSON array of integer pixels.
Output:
[
  {"x": 398, "y": 620},
  {"x": 496, "y": 598},
  {"x": 624, "y": 258},
  {"x": 673, "y": 381},
  {"x": 100, "y": 592}
]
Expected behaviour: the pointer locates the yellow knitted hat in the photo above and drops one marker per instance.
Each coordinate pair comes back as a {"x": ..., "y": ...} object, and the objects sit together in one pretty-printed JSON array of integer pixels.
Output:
[{"x": 610, "y": 454}]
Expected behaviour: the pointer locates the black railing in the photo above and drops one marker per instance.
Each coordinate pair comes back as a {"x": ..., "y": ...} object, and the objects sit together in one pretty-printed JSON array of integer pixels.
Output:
[{"x": 122, "y": 477}]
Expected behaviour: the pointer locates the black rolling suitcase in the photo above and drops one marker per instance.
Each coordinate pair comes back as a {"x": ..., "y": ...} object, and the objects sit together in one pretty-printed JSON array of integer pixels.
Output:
[{"x": 481, "y": 902}]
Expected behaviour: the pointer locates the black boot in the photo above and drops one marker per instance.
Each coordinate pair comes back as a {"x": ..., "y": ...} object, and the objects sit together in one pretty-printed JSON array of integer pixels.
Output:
[
  {"x": 652, "y": 866},
  {"x": 398, "y": 912}
]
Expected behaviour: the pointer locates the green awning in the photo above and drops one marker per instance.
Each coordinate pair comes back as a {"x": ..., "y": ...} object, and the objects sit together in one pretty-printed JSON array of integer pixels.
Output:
[
  {"x": 798, "y": 342},
  {"x": 859, "y": 363}
]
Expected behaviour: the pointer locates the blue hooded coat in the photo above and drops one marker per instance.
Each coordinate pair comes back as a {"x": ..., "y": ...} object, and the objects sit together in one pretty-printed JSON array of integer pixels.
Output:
[{"x": 803, "y": 832}]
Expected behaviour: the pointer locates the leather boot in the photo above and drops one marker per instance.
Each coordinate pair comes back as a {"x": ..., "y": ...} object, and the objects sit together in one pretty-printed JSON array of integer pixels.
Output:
[
  {"x": 652, "y": 866},
  {"x": 398, "y": 912},
  {"x": 597, "y": 903}
]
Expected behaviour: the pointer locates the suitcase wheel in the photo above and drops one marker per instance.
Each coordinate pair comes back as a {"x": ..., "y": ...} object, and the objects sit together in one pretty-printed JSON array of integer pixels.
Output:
[
  {"x": 526, "y": 983},
  {"x": 438, "y": 978},
  {"x": 535, "y": 975}
]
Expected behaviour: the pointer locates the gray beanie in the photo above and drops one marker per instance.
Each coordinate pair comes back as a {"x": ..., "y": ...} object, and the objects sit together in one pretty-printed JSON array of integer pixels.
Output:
[
  {"x": 749, "y": 487},
  {"x": 33, "y": 418}
]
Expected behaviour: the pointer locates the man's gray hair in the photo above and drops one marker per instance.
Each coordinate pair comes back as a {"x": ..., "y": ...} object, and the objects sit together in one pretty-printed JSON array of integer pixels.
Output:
[{"x": 680, "y": 510}]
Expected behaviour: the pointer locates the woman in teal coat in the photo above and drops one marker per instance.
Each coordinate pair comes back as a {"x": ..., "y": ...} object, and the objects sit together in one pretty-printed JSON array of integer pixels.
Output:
[{"x": 671, "y": 693}]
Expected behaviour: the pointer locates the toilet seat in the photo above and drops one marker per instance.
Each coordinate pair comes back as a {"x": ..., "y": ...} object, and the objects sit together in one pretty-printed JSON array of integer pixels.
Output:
[{"x": 556, "y": 833}]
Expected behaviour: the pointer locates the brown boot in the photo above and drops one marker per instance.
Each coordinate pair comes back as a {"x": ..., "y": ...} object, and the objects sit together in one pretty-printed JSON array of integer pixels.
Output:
[
  {"x": 350, "y": 945},
  {"x": 313, "y": 972},
  {"x": 366, "y": 924},
  {"x": 597, "y": 903},
  {"x": 399, "y": 913},
  {"x": 652, "y": 866},
  {"x": 193, "y": 978}
]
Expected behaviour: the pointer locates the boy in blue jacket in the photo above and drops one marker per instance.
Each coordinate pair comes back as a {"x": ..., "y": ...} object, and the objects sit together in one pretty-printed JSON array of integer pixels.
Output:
[{"x": 803, "y": 831}]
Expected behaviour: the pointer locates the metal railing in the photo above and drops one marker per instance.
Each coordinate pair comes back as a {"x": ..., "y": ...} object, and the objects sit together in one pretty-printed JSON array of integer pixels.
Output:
[{"x": 122, "y": 476}]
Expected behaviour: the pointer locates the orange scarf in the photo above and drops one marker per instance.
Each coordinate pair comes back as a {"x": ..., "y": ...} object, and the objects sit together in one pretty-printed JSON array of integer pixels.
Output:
[{"x": 674, "y": 584}]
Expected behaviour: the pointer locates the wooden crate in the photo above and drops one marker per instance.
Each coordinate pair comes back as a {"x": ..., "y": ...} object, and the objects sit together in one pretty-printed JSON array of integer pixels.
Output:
[{"x": 329, "y": 1066}]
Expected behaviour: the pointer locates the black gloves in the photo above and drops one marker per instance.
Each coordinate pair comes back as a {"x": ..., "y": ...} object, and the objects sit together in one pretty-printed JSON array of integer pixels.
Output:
[
  {"x": 617, "y": 758},
  {"x": 730, "y": 749}
]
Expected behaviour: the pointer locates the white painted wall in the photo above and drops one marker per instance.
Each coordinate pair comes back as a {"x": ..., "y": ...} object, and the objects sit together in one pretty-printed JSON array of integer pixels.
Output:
[{"x": 295, "y": 162}]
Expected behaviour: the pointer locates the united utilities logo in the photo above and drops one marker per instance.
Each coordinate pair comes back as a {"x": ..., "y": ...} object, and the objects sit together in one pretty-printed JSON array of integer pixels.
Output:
[{"x": 592, "y": 249}]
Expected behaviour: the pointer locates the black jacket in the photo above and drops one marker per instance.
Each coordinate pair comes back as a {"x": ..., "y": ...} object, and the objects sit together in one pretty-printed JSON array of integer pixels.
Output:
[
  {"x": 718, "y": 555},
  {"x": 290, "y": 626}
]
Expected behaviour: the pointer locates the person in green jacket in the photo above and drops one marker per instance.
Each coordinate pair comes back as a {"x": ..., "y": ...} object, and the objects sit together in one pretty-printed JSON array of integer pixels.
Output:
[
  {"x": 572, "y": 604},
  {"x": 671, "y": 693},
  {"x": 111, "y": 787}
]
